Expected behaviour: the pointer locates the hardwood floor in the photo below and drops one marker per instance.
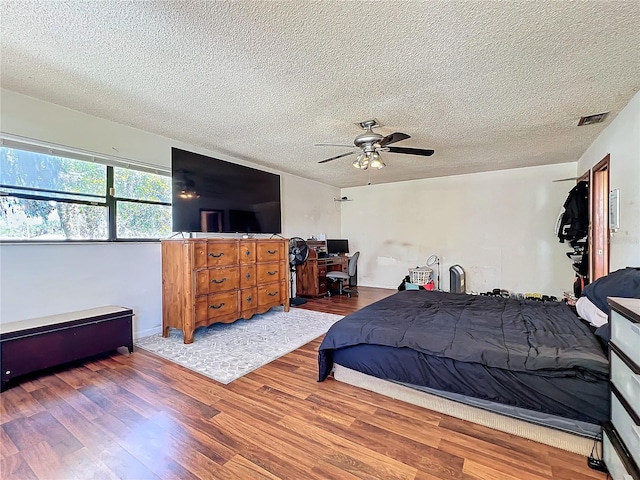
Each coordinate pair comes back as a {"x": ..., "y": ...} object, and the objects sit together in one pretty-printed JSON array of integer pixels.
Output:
[
  {"x": 343, "y": 305},
  {"x": 141, "y": 417}
]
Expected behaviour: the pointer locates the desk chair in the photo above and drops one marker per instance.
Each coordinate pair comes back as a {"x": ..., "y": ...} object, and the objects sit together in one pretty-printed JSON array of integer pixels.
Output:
[{"x": 341, "y": 277}]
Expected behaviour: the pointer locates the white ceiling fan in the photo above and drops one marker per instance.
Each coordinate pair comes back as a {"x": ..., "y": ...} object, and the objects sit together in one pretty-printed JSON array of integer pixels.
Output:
[{"x": 368, "y": 145}]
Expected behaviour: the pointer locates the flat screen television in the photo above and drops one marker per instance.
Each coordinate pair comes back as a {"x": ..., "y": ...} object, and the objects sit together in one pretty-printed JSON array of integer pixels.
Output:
[
  {"x": 212, "y": 195},
  {"x": 337, "y": 246}
]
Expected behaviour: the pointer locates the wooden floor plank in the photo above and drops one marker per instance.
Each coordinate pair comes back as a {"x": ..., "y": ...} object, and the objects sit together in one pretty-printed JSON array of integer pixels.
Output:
[
  {"x": 16, "y": 403},
  {"x": 353, "y": 453},
  {"x": 83, "y": 464},
  {"x": 140, "y": 416},
  {"x": 240, "y": 467},
  {"x": 14, "y": 467},
  {"x": 45, "y": 462},
  {"x": 7, "y": 447}
]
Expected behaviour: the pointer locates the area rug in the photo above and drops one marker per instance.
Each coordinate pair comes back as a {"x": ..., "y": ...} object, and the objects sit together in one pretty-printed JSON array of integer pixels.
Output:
[{"x": 226, "y": 352}]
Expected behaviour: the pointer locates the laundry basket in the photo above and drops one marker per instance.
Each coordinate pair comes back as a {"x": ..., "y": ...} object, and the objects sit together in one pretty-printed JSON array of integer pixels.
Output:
[{"x": 420, "y": 275}]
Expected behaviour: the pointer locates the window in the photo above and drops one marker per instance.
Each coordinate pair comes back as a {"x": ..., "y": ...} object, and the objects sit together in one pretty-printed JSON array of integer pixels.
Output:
[{"x": 49, "y": 196}]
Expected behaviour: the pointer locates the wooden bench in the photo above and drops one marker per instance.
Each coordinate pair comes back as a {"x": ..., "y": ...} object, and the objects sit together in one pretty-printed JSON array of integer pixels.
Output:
[{"x": 31, "y": 345}]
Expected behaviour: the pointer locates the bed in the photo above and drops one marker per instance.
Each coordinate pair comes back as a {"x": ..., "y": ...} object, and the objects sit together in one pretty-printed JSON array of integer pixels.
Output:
[{"x": 531, "y": 360}]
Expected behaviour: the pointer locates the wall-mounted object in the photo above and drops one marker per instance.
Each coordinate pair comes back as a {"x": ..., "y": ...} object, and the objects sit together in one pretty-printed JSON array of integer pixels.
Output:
[
  {"x": 343, "y": 199},
  {"x": 614, "y": 210}
]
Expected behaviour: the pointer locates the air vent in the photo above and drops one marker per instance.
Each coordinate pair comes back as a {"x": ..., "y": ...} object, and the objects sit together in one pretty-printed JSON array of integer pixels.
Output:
[{"x": 591, "y": 119}]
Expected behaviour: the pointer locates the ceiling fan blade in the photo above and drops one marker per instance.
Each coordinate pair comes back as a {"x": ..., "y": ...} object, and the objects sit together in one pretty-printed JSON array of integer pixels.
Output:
[
  {"x": 332, "y": 145},
  {"x": 411, "y": 151},
  {"x": 336, "y": 157},
  {"x": 393, "y": 138}
]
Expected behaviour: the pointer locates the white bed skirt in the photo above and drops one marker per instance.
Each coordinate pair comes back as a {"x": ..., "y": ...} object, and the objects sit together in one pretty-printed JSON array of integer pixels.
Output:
[{"x": 520, "y": 428}]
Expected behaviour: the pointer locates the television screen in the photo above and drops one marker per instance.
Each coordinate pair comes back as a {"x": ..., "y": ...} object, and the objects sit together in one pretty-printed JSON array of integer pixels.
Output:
[
  {"x": 335, "y": 246},
  {"x": 212, "y": 195}
]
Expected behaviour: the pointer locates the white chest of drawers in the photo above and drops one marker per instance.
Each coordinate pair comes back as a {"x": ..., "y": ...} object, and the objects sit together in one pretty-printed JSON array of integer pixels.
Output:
[{"x": 621, "y": 439}]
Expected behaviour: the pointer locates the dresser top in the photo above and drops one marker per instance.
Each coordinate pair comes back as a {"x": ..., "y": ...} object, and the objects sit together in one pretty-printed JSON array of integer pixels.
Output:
[{"x": 628, "y": 306}]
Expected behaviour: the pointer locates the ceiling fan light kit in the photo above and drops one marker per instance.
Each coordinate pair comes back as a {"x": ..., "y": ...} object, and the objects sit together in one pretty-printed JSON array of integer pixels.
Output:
[
  {"x": 369, "y": 159},
  {"x": 370, "y": 143}
]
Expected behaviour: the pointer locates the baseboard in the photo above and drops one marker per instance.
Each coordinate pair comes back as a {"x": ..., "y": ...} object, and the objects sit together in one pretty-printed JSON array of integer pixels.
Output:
[{"x": 146, "y": 333}]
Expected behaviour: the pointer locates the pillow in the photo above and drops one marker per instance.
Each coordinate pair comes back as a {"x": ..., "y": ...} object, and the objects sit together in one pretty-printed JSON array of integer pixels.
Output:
[
  {"x": 621, "y": 283},
  {"x": 590, "y": 312}
]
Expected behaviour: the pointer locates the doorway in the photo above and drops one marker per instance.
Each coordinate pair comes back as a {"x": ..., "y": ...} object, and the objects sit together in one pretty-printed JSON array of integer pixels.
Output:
[{"x": 599, "y": 221}]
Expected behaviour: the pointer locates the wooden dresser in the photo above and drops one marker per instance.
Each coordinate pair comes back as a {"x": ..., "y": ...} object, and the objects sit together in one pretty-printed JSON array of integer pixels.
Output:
[{"x": 209, "y": 280}]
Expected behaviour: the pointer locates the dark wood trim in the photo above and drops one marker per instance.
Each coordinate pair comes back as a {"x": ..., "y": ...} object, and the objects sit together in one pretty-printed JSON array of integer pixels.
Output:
[
  {"x": 599, "y": 217},
  {"x": 602, "y": 164},
  {"x": 585, "y": 177},
  {"x": 622, "y": 452}
]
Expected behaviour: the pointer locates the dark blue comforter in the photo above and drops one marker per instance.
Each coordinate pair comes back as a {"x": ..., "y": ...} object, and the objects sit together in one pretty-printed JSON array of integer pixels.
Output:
[{"x": 545, "y": 338}]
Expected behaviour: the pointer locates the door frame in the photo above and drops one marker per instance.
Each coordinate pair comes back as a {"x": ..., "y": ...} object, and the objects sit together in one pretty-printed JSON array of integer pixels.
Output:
[{"x": 599, "y": 233}]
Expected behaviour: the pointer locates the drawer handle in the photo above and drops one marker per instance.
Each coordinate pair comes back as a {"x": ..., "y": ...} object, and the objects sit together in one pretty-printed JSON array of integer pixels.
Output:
[
  {"x": 636, "y": 430},
  {"x": 219, "y": 281},
  {"x": 248, "y": 275},
  {"x": 215, "y": 307},
  {"x": 272, "y": 273},
  {"x": 249, "y": 298},
  {"x": 635, "y": 328},
  {"x": 271, "y": 252},
  {"x": 272, "y": 294},
  {"x": 247, "y": 252},
  {"x": 216, "y": 255}
]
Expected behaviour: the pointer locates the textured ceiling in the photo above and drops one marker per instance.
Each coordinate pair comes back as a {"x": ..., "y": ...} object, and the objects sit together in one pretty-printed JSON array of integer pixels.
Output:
[{"x": 489, "y": 85}]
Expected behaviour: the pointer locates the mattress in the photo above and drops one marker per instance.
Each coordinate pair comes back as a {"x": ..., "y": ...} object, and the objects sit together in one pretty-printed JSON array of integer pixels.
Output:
[
  {"x": 548, "y": 401},
  {"x": 522, "y": 354}
]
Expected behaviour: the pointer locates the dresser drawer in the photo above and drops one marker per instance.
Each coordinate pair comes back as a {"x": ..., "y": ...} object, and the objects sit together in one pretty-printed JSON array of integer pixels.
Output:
[
  {"x": 625, "y": 334},
  {"x": 322, "y": 285},
  {"x": 269, "y": 272},
  {"x": 270, "y": 251},
  {"x": 214, "y": 253},
  {"x": 216, "y": 305},
  {"x": 616, "y": 459},
  {"x": 628, "y": 428},
  {"x": 626, "y": 381},
  {"x": 248, "y": 299},
  {"x": 247, "y": 251},
  {"x": 247, "y": 276},
  {"x": 214, "y": 280},
  {"x": 271, "y": 295}
]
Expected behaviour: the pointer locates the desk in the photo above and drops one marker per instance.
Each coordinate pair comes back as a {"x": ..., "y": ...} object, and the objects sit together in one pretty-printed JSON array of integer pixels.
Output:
[{"x": 311, "y": 276}]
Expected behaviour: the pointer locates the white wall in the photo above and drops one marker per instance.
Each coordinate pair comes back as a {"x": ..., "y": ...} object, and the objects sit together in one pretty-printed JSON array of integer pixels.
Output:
[
  {"x": 499, "y": 226},
  {"x": 621, "y": 139},
  {"x": 37, "y": 280}
]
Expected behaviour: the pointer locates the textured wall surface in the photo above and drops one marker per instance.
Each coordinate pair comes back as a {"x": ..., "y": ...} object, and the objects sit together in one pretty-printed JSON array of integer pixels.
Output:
[
  {"x": 488, "y": 85},
  {"x": 621, "y": 141},
  {"x": 38, "y": 280},
  {"x": 499, "y": 226}
]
